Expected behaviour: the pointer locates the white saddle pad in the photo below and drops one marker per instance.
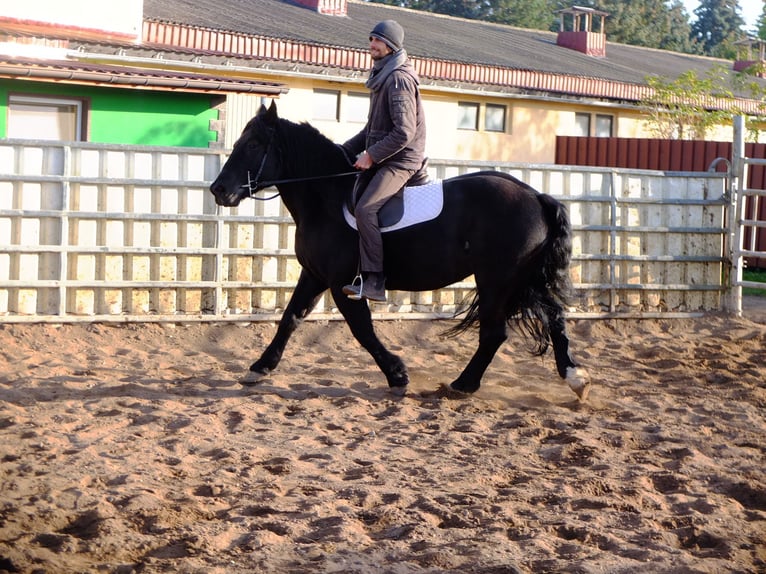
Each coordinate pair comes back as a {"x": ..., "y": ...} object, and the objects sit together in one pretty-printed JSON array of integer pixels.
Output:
[{"x": 421, "y": 203}]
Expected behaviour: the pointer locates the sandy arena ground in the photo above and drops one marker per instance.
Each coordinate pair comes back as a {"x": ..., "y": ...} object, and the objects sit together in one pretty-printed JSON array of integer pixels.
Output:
[{"x": 132, "y": 448}]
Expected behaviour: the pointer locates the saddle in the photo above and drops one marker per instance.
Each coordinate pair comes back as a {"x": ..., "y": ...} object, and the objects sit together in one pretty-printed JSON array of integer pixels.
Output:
[{"x": 420, "y": 197}]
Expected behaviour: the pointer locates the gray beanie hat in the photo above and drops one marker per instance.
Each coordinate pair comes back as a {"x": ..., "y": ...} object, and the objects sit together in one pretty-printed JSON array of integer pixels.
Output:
[{"x": 390, "y": 32}]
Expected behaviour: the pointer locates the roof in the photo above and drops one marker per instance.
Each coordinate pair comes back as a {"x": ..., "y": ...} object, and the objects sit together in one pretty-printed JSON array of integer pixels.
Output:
[
  {"x": 67, "y": 71},
  {"x": 430, "y": 36},
  {"x": 230, "y": 45}
]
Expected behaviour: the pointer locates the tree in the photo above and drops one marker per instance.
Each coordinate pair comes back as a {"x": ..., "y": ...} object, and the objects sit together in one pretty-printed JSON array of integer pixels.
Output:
[
  {"x": 717, "y": 27},
  {"x": 662, "y": 24},
  {"x": 533, "y": 14},
  {"x": 650, "y": 23},
  {"x": 747, "y": 82},
  {"x": 761, "y": 24},
  {"x": 462, "y": 8},
  {"x": 677, "y": 32},
  {"x": 459, "y": 8},
  {"x": 689, "y": 106}
]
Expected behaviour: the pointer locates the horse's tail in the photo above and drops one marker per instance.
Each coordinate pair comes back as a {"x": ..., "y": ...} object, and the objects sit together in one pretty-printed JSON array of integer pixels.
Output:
[
  {"x": 557, "y": 249},
  {"x": 544, "y": 294},
  {"x": 545, "y": 284}
]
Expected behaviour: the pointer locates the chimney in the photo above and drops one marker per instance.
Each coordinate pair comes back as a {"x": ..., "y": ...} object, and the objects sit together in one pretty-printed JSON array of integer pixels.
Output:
[
  {"x": 751, "y": 52},
  {"x": 330, "y": 7},
  {"x": 582, "y": 36}
]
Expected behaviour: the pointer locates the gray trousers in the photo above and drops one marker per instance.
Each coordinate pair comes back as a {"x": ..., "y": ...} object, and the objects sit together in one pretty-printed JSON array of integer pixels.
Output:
[{"x": 373, "y": 188}]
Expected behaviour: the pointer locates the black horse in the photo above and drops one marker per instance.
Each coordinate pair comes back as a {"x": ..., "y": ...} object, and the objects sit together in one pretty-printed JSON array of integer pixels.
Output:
[{"x": 515, "y": 241}]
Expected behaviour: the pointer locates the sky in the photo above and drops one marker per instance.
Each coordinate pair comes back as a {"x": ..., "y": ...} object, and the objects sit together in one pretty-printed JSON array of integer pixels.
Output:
[{"x": 751, "y": 9}]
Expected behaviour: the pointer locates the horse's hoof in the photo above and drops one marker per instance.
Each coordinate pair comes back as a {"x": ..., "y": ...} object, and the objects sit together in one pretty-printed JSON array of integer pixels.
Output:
[
  {"x": 398, "y": 391},
  {"x": 579, "y": 381},
  {"x": 461, "y": 389},
  {"x": 444, "y": 391},
  {"x": 398, "y": 380},
  {"x": 252, "y": 378}
]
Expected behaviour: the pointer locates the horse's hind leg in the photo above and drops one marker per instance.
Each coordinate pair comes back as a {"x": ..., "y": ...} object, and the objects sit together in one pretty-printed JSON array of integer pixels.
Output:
[
  {"x": 359, "y": 319},
  {"x": 492, "y": 333},
  {"x": 576, "y": 377},
  {"x": 304, "y": 299}
]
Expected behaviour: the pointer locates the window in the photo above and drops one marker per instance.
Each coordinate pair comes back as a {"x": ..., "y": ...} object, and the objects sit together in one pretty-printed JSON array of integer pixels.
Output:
[
  {"x": 598, "y": 125},
  {"x": 326, "y": 105},
  {"x": 494, "y": 118},
  {"x": 603, "y": 126},
  {"x": 582, "y": 125},
  {"x": 357, "y": 107},
  {"x": 39, "y": 117},
  {"x": 468, "y": 116}
]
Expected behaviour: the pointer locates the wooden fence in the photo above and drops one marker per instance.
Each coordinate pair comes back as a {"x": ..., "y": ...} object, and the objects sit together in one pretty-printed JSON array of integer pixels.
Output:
[
  {"x": 673, "y": 155},
  {"x": 94, "y": 232}
]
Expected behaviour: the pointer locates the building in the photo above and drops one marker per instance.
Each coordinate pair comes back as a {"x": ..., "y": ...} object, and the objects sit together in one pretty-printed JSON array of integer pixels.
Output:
[{"x": 192, "y": 72}]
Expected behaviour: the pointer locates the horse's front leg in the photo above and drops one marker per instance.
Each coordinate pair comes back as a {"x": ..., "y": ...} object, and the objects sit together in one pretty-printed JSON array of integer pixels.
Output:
[
  {"x": 305, "y": 297},
  {"x": 359, "y": 319}
]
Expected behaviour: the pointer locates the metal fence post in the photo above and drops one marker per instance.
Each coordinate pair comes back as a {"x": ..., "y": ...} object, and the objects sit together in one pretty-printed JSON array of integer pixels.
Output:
[{"x": 736, "y": 215}]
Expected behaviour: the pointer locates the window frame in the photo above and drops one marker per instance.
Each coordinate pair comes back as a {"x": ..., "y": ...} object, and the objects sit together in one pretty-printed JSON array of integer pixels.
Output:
[
  {"x": 500, "y": 107},
  {"x": 593, "y": 119},
  {"x": 80, "y": 105},
  {"x": 315, "y": 109},
  {"x": 611, "y": 125},
  {"x": 463, "y": 106},
  {"x": 583, "y": 116},
  {"x": 353, "y": 118}
]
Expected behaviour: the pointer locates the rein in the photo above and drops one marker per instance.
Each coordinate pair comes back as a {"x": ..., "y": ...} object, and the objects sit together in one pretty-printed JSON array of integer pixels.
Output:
[{"x": 253, "y": 186}]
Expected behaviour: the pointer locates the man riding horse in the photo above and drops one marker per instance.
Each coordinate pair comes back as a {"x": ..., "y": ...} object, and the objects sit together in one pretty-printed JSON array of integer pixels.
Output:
[{"x": 389, "y": 150}]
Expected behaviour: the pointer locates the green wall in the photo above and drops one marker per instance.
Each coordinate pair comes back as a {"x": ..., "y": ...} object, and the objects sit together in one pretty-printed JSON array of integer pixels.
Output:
[{"x": 122, "y": 116}]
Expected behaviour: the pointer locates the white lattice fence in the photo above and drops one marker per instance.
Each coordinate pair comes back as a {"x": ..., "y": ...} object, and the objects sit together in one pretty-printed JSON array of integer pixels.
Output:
[{"x": 127, "y": 233}]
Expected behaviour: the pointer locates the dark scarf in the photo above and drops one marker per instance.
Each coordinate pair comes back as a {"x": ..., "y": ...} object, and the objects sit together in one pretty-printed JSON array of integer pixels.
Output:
[{"x": 383, "y": 67}]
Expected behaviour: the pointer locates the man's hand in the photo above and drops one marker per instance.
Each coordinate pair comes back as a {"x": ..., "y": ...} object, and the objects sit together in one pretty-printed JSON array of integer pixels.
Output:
[{"x": 363, "y": 161}]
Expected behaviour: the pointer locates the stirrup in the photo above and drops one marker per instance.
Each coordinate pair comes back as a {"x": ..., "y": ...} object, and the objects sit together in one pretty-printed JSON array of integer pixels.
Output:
[{"x": 351, "y": 291}]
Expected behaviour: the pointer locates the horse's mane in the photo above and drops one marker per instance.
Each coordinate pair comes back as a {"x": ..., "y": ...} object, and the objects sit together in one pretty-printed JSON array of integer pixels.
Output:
[
  {"x": 313, "y": 152},
  {"x": 312, "y": 133}
]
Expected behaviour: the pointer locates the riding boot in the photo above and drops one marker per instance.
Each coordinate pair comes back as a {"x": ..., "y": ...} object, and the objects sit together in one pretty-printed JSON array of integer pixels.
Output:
[
  {"x": 370, "y": 286},
  {"x": 375, "y": 287}
]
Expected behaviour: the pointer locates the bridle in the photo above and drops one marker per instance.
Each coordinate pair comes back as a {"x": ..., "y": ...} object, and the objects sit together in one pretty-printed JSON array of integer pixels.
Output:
[{"x": 253, "y": 186}]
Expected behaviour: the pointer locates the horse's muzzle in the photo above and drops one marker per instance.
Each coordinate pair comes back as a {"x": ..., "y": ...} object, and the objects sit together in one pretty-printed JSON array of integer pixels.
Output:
[{"x": 224, "y": 197}]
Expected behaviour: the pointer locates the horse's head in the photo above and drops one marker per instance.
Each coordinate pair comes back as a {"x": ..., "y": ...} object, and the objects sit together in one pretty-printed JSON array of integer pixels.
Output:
[{"x": 254, "y": 159}]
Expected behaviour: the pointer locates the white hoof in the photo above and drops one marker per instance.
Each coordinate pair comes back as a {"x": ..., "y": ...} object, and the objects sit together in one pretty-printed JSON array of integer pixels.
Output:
[{"x": 579, "y": 381}]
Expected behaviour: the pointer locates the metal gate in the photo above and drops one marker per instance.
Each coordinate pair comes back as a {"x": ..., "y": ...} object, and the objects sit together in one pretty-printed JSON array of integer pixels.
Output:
[{"x": 744, "y": 230}]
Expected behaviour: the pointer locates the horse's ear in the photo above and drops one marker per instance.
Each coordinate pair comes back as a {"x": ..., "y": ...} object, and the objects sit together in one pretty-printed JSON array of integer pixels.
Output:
[{"x": 272, "y": 114}]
